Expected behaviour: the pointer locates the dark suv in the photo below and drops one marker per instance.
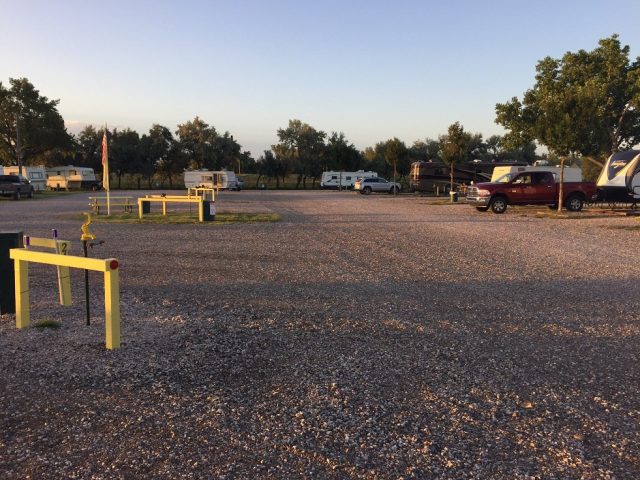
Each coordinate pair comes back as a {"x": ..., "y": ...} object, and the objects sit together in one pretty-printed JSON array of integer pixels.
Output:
[{"x": 15, "y": 186}]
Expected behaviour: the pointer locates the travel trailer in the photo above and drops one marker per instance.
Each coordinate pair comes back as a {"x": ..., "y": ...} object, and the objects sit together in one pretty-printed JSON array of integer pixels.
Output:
[
  {"x": 571, "y": 174},
  {"x": 220, "y": 179},
  {"x": 436, "y": 176},
  {"x": 37, "y": 176},
  {"x": 619, "y": 180},
  {"x": 71, "y": 178},
  {"x": 343, "y": 179}
]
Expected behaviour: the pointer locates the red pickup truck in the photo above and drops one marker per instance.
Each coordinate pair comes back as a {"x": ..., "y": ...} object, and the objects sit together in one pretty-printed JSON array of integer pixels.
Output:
[{"x": 529, "y": 188}]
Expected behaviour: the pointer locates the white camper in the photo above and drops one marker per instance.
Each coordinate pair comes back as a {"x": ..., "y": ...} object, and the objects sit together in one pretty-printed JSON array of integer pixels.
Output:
[
  {"x": 619, "y": 179},
  {"x": 219, "y": 179},
  {"x": 343, "y": 179},
  {"x": 71, "y": 178},
  {"x": 571, "y": 174},
  {"x": 36, "y": 175}
]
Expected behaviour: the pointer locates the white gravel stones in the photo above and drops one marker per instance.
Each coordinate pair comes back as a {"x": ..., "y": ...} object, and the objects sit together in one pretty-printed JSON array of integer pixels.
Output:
[{"x": 360, "y": 337}]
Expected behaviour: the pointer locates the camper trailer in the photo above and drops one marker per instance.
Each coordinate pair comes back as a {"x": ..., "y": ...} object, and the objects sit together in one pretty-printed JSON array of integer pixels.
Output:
[
  {"x": 435, "y": 176},
  {"x": 71, "y": 178},
  {"x": 220, "y": 179},
  {"x": 37, "y": 176},
  {"x": 619, "y": 180},
  {"x": 339, "y": 180},
  {"x": 571, "y": 174}
]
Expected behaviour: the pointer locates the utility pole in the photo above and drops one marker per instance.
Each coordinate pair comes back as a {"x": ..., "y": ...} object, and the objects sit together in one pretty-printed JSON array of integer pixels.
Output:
[{"x": 18, "y": 145}]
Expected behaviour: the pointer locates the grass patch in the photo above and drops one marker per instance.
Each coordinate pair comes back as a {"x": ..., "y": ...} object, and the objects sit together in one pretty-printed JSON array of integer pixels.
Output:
[
  {"x": 183, "y": 218},
  {"x": 42, "y": 324}
]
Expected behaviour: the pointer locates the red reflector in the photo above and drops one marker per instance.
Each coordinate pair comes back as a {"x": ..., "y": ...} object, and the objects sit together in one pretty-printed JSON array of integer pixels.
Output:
[{"x": 113, "y": 265}]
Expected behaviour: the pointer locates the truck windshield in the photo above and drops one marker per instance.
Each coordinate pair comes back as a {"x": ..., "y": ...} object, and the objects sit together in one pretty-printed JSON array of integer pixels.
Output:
[{"x": 506, "y": 178}]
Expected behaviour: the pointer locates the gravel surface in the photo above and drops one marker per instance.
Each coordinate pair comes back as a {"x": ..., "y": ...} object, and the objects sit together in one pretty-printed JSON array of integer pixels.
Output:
[{"x": 360, "y": 337}]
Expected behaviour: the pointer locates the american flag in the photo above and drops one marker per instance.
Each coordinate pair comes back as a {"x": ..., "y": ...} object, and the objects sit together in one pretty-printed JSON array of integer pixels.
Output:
[{"x": 105, "y": 162}]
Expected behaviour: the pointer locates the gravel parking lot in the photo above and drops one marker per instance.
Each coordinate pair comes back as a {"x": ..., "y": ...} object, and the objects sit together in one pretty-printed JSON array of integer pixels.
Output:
[{"x": 360, "y": 337}]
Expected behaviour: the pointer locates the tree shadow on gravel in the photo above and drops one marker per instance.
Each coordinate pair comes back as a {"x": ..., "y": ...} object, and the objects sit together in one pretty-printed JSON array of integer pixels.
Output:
[{"x": 360, "y": 379}]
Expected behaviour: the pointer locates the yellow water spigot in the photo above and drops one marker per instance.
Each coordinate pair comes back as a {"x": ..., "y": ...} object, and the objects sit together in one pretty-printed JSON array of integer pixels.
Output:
[{"x": 86, "y": 234}]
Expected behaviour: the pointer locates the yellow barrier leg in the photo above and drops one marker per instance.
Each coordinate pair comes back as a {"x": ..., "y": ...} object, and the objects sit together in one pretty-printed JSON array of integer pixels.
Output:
[
  {"x": 140, "y": 208},
  {"x": 112, "y": 309},
  {"x": 201, "y": 211},
  {"x": 22, "y": 293},
  {"x": 164, "y": 208}
]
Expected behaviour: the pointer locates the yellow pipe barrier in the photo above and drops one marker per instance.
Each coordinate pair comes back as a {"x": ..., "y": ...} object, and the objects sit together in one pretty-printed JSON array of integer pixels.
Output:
[
  {"x": 22, "y": 257},
  {"x": 173, "y": 199}
]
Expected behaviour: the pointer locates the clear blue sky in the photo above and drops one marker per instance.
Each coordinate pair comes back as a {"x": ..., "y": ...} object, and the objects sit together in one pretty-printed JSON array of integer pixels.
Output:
[{"x": 371, "y": 69}]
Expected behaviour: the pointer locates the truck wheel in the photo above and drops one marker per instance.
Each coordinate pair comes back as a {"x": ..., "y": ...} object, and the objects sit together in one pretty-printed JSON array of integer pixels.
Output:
[
  {"x": 498, "y": 205},
  {"x": 16, "y": 196},
  {"x": 574, "y": 203},
  {"x": 482, "y": 209},
  {"x": 366, "y": 190},
  {"x": 30, "y": 194},
  {"x": 394, "y": 190}
]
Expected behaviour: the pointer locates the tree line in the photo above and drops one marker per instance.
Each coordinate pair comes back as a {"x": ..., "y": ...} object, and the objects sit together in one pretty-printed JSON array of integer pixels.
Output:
[{"x": 582, "y": 106}]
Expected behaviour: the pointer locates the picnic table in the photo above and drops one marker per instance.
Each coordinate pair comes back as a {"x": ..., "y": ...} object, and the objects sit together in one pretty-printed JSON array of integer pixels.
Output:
[{"x": 98, "y": 203}]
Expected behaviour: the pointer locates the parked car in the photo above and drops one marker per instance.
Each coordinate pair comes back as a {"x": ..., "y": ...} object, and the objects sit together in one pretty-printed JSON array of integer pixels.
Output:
[
  {"x": 376, "y": 184},
  {"x": 529, "y": 188},
  {"x": 15, "y": 186}
]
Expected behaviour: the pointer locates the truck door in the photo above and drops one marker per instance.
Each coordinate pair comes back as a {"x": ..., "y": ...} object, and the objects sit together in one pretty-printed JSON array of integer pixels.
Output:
[
  {"x": 545, "y": 187},
  {"x": 521, "y": 189}
]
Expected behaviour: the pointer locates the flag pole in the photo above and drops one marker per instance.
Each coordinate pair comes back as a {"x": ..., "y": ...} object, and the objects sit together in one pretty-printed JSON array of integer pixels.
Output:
[{"x": 105, "y": 169}]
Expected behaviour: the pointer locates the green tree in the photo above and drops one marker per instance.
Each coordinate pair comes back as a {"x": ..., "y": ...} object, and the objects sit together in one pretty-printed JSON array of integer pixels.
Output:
[
  {"x": 341, "y": 155},
  {"x": 425, "y": 150},
  {"x": 197, "y": 141},
  {"x": 154, "y": 149},
  {"x": 456, "y": 147},
  {"x": 304, "y": 147},
  {"x": 397, "y": 156},
  {"x": 269, "y": 166},
  {"x": 30, "y": 125},
  {"x": 123, "y": 152},
  {"x": 585, "y": 103}
]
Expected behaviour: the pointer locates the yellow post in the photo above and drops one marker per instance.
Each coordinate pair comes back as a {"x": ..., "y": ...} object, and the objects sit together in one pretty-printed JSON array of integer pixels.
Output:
[
  {"x": 62, "y": 247},
  {"x": 201, "y": 211},
  {"x": 140, "y": 208},
  {"x": 164, "y": 208},
  {"x": 64, "y": 278},
  {"x": 21, "y": 268},
  {"x": 112, "y": 309}
]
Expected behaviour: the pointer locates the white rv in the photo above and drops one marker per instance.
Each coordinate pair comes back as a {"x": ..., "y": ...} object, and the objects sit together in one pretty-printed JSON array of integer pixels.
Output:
[
  {"x": 37, "y": 176},
  {"x": 343, "y": 179},
  {"x": 619, "y": 179},
  {"x": 571, "y": 174},
  {"x": 71, "y": 178},
  {"x": 220, "y": 179}
]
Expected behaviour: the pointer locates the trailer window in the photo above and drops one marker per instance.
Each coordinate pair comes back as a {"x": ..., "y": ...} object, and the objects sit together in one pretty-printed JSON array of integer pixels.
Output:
[
  {"x": 334, "y": 177},
  {"x": 348, "y": 178}
]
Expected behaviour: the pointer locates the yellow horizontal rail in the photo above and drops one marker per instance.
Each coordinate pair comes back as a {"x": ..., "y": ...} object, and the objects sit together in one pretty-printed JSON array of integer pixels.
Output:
[
  {"x": 42, "y": 242},
  {"x": 111, "y": 198},
  {"x": 171, "y": 199},
  {"x": 96, "y": 264}
]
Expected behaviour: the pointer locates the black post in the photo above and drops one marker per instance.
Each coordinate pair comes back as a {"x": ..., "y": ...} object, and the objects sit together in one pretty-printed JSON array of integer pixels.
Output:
[
  {"x": 86, "y": 283},
  {"x": 8, "y": 240}
]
